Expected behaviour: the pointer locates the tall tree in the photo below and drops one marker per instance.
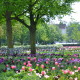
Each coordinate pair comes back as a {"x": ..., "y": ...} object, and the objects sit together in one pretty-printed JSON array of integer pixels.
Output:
[
  {"x": 48, "y": 34},
  {"x": 6, "y": 13},
  {"x": 1, "y": 34},
  {"x": 7, "y": 9},
  {"x": 74, "y": 31},
  {"x": 36, "y": 11},
  {"x": 20, "y": 34},
  {"x": 42, "y": 10}
]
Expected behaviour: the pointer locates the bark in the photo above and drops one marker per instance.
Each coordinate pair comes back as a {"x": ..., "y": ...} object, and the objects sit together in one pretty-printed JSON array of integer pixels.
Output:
[
  {"x": 0, "y": 42},
  {"x": 33, "y": 40},
  {"x": 9, "y": 30},
  {"x": 32, "y": 30}
]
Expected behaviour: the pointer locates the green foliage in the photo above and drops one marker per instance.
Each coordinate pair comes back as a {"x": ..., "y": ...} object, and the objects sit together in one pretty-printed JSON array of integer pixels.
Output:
[
  {"x": 74, "y": 31},
  {"x": 35, "y": 11},
  {"x": 48, "y": 33},
  {"x": 1, "y": 32},
  {"x": 39, "y": 8},
  {"x": 12, "y": 6}
]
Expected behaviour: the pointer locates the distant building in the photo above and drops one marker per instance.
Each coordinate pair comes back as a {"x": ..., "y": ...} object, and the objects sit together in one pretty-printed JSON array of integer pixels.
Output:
[{"x": 62, "y": 27}]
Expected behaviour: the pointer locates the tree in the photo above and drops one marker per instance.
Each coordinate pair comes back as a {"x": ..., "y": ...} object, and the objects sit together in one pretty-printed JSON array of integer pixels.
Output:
[
  {"x": 42, "y": 10},
  {"x": 74, "y": 31},
  {"x": 1, "y": 34},
  {"x": 7, "y": 9},
  {"x": 76, "y": 34},
  {"x": 48, "y": 34},
  {"x": 36, "y": 11},
  {"x": 20, "y": 34},
  {"x": 54, "y": 34},
  {"x": 42, "y": 33}
]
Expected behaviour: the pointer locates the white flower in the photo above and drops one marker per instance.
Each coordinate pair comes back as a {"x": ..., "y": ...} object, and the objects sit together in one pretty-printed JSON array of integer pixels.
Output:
[
  {"x": 76, "y": 78},
  {"x": 29, "y": 74},
  {"x": 38, "y": 74},
  {"x": 76, "y": 71},
  {"x": 46, "y": 76}
]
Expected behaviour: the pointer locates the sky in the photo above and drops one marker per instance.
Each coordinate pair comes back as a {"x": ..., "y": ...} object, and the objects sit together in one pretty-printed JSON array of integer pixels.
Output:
[{"x": 72, "y": 17}]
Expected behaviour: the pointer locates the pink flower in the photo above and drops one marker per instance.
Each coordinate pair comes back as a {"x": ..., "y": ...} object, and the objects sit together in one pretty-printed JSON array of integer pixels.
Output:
[
  {"x": 53, "y": 68},
  {"x": 43, "y": 72},
  {"x": 13, "y": 67},
  {"x": 28, "y": 58},
  {"x": 31, "y": 59},
  {"x": 18, "y": 60},
  {"x": 3, "y": 58},
  {"x": 56, "y": 63},
  {"x": 65, "y": 71},
  {"x": 37, "y": 64},
  {"x": 79, "y": 68},
  {"x": 54, "y": 59},
  {"x": 31, "y": 69},
  {"x": 42, "y": 66},
  {"x": 7, "y": 65},
  {"x": 75, "y": 67},
  {"x": 34, "y": 58},
  {"x": 23, "y": 68},
  {"x": 68, "y": 71},
  {"x": 66, "y": 60},
  {"x": 48, "y": 59},
  {"x": 47, "y": 62},
  {"x": 29, "y": 65},
  {"x": 72, "y": 59},
  {"x": 28, "y": 61},
  {"x": 24, "y": 63},
  {"x": 71, "y": 73}
]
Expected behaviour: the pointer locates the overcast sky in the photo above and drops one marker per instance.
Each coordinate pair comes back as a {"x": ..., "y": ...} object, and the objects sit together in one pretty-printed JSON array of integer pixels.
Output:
[{"x": 73, "y": 16}]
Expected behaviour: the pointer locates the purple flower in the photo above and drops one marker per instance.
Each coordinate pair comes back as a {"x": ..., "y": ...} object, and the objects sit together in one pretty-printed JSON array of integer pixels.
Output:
[{"x": 1, "y": 60}]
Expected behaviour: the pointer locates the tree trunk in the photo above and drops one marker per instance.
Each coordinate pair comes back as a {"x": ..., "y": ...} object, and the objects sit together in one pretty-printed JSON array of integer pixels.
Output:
[
  {"x": 0, "y": 42},
  {"x": 9, "y": 30},
  {"x": 33, "y": 40}
]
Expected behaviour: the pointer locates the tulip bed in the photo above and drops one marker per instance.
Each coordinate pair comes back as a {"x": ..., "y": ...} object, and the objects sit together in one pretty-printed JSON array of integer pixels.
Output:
[{"x": 40, "y": 67}]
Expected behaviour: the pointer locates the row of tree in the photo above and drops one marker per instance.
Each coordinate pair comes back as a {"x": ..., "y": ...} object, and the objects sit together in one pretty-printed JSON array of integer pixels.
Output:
[
  {"x": 46, "y": 34},
  {"x": 30, "y": 13},
  {"x": 73, "y": 32}
]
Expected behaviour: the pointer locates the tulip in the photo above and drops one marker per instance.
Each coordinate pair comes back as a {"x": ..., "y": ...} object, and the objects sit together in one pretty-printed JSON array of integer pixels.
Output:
[
  {"x": 75, "y": 67},
  {"x": 28, "y": 58},
  {"x": 24, "y": 63},
  {"x": 31, "y": 69},
  {"x": 47, "y": 62},
  {"x": 7, "y": 65},
  {"x": 13, "y": 67},
  {"x": 79, "y": 68},
  {"x": 43, "y": 72},
  {"x": 46, "y": 76},
  {"x": 37, "y": 64},
  {"x": 42, "y": 66},
  {"x": 56, "y": 63},
  {"x": 71, "y": 73},
  {"x": 34, "y": 58},
  {"x": 29, "y": 65},
  {"x": 28, "y": 61},
  {"x": 23, "y": 68},
  {"x": 53, "y": 68},
  {"x": 65, "y": 71}
]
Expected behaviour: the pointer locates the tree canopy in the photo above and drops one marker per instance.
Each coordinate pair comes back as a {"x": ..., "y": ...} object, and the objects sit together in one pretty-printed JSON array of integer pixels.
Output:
[
  {"x": 74, "y": 32},
  {"x": 31, "y": 12}
]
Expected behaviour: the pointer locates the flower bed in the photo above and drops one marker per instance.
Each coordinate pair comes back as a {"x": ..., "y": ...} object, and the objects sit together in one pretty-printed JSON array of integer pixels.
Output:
[{"x": 41, "y": 67}]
